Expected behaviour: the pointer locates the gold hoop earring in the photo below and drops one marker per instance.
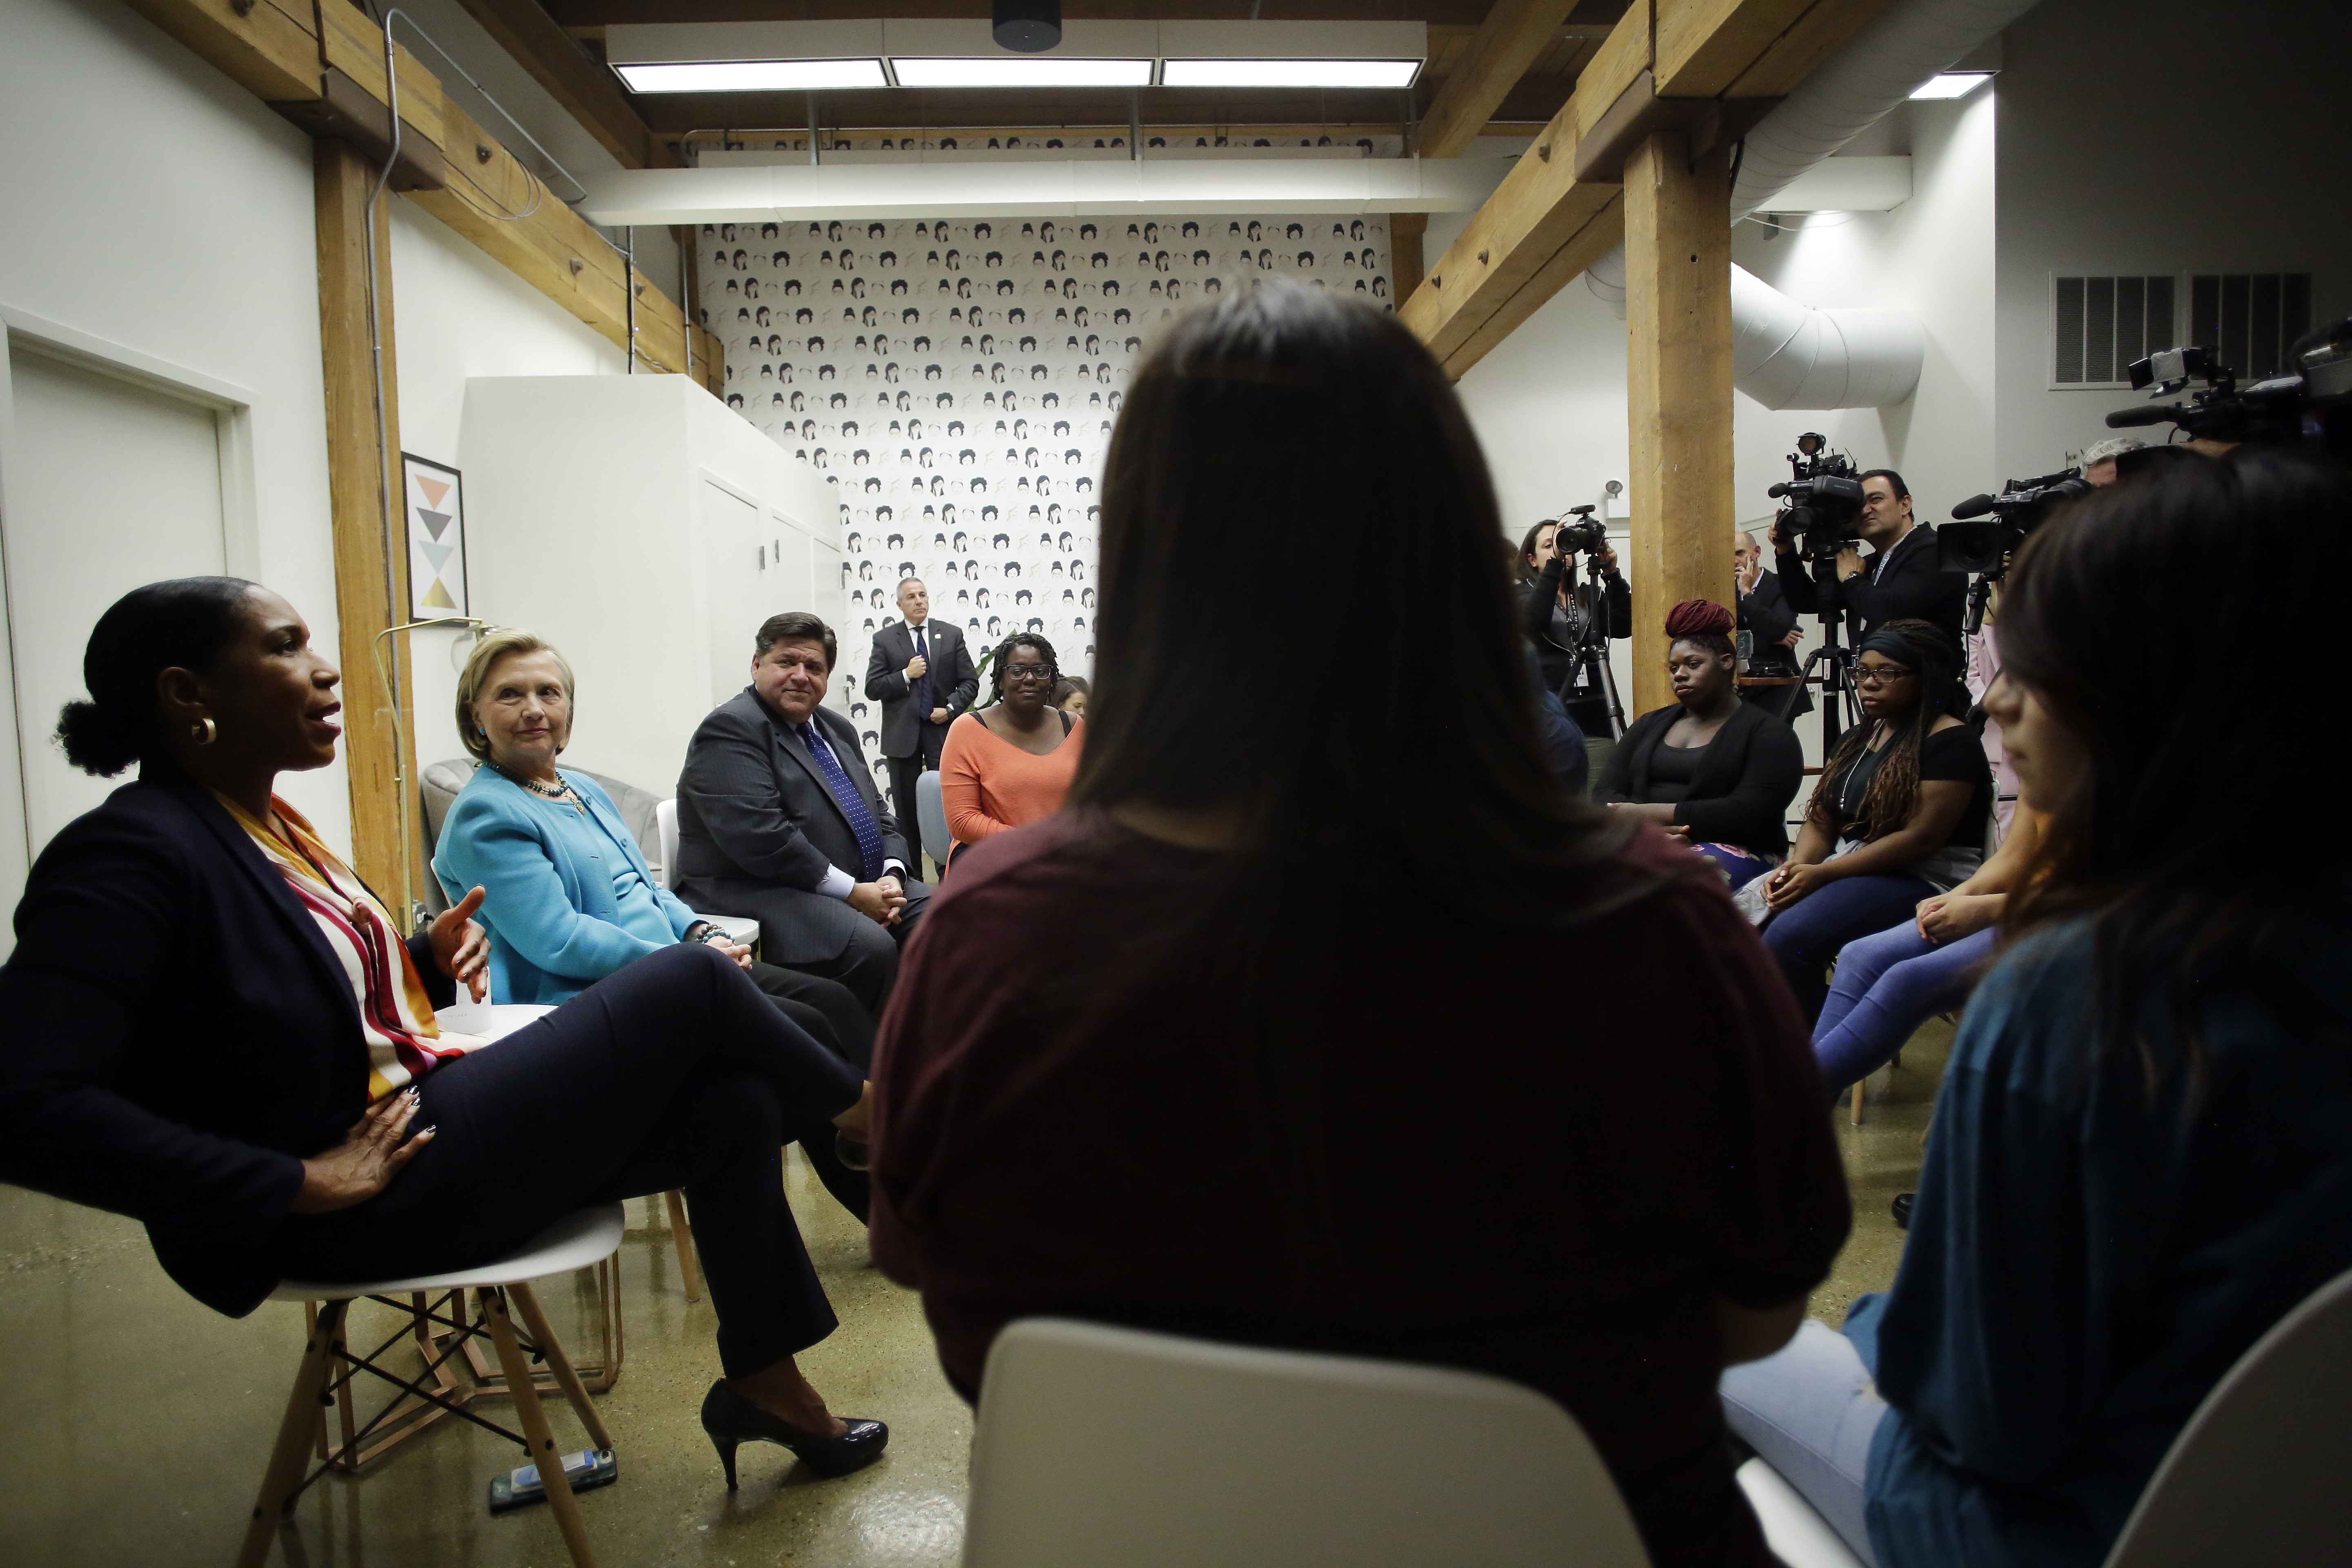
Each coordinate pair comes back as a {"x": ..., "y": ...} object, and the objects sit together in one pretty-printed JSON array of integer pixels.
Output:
[{"x": 204, "y": 731}]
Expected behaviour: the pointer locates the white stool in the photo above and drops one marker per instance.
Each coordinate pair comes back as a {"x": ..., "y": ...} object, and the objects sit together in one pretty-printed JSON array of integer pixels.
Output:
[{"x": 576, "y": 1241}]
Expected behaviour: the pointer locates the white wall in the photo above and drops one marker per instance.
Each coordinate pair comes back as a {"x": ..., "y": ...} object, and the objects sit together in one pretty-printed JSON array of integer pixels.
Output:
[
  {"x": 458, "y": 314},
  {"x": 153, "y": 204},
  {"x": 2156, "y": 136}
]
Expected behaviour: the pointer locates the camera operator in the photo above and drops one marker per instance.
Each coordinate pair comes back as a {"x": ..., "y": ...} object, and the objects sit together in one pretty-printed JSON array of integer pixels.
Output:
[
  {"x": 1555, "y": 610},
  {"x": 1764, "y": 613},
  {"x": 2099, "y": 458},
  {"x": 1900, "y": 579}
]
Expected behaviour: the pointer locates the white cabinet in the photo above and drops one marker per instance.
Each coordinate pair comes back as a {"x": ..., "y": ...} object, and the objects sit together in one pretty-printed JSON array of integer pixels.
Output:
[{"x": 646, "y": 531}]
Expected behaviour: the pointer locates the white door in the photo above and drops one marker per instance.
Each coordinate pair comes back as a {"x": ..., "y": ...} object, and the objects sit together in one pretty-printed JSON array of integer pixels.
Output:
[
  {"x": 732, "y": 532},
  {"x": 109, "y": 486}
]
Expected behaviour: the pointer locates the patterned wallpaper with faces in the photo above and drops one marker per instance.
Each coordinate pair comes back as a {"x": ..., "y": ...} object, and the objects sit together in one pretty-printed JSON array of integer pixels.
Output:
[{"x": 958, "y": 380}]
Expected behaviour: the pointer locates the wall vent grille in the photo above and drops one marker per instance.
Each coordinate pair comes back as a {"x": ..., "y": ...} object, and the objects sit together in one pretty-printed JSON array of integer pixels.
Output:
[
  {"x": 2099, "y": 325},
  {"x": 2249, "y": 319}
]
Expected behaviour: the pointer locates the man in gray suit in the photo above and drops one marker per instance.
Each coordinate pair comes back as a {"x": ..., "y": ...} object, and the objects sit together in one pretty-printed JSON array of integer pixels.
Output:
[
  {"x": 922, "y": 674},
  {"x": 777, "y": 819}
]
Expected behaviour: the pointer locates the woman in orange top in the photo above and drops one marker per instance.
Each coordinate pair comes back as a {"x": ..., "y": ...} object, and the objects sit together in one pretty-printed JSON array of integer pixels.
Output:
[{"x": 1013, "y": 762}]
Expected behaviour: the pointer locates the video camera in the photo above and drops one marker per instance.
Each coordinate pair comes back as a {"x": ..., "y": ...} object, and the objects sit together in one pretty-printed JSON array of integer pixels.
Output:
[
  {"x": 2310, "y": 405},
  {"x": 1964, "y": 545},
  {"x": 1825, "y": 499},
  {"x": 1580, "y": 530}
]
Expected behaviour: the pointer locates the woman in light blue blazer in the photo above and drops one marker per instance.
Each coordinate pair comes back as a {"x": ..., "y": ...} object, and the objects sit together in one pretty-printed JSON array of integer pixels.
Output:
[{"x": 570, "y": 899}]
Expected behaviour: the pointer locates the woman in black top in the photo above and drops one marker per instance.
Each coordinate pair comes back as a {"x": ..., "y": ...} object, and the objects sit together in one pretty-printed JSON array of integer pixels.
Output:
[
  {"x": 1713, "y": 771},
  {"x": 1899, "y": 815}
]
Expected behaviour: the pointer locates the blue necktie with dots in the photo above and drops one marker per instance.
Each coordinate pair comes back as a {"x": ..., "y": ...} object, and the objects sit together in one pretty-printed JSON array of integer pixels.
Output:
[
  {"x": 853, "y": 805},
  {"x": 921, "y": 689}
]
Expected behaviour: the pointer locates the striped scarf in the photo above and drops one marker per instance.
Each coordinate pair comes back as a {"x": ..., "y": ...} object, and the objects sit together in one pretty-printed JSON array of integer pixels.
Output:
[{"x": 404, "y": 1042}]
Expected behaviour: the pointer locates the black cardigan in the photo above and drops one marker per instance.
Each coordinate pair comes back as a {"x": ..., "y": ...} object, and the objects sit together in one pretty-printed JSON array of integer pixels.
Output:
[
  {"x": 180, "y": 1036},
  {"x": 1746, "y": 776}
]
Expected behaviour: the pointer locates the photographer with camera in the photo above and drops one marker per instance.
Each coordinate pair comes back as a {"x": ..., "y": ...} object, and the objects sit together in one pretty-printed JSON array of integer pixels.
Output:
[
  {"x": 1900, "y": 578},
  {"x": 1563, "y": 617}
]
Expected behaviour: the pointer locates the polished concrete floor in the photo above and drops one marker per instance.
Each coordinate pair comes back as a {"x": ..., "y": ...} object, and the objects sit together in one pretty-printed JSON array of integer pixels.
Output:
[{"x": 133, "y": 1423}]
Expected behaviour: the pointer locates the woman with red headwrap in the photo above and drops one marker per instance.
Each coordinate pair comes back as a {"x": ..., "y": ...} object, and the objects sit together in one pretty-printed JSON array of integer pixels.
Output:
[{"x": 1713, "y": 771}]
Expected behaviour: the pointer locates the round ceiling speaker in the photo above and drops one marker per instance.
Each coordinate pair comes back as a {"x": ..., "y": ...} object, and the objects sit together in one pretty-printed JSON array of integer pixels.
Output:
[{"x": 1028, "y": 26}]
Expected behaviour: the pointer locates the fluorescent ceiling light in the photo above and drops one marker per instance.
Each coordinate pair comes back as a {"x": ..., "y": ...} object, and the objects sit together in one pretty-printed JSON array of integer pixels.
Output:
[
  {"x": 1289, "y": 73},
  {"x": 753, "y": 76},
  {"x": 1951, "y": 84},
  {"x": 1019, "y": 70}
]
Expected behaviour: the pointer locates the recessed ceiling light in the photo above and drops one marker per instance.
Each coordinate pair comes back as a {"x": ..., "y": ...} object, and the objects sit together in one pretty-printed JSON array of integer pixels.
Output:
[
  {"x": 1019, "y": 70},
  {"x": 1951, "y": 84},
  {"x": 753, "y": 76},
  {"x": 1289, "y": 73}
]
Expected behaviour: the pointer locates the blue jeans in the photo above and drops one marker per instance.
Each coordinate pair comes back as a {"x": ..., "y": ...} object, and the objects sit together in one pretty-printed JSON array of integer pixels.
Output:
[
  {"x": 1810, "y": 1413},
  {"x": 1887, "y": 985},
  {"x": 1806, "y": 935}
]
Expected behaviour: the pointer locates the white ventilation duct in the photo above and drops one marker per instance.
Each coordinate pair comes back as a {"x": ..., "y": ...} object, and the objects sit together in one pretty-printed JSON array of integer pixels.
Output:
[{"x": 1785, "y": 354}]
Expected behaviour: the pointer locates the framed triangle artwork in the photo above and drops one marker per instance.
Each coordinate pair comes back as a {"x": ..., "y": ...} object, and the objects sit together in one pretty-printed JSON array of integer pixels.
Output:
[{"x": 434, "y": 501}]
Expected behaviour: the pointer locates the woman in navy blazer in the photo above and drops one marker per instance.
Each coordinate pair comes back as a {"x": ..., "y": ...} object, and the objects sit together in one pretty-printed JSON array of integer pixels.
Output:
[
  {"x": 221, "y": 1089},
  {"x": 570, "y": 899}
]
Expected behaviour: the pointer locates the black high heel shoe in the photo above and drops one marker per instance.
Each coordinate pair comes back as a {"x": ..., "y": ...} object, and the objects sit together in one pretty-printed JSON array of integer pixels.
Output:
[{"x": 731, "y": 1419}]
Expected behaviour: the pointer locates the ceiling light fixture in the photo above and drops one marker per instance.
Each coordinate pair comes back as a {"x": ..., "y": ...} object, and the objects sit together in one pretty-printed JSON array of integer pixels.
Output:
[
  {"x": 1026, "y": 26},
  {"x": 1950, "y": 84},
  {"x": 1289, "y": 73},
  {"x": 1019, "y": 70},
  {"x": 753, "y": 76}
]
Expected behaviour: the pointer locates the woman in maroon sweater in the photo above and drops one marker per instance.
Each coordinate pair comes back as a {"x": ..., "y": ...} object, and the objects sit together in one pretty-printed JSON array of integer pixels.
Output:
[{"x": 1358, "y": 1035}]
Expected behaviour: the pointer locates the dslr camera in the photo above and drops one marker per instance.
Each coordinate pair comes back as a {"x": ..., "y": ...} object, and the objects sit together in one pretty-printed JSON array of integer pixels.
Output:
[
  {"x": 1968, "y": 545},
  {"x": 2308, "y": 404},
  {"x": 1824, "y": 499},
  {"x": 1580, "y": 530}
]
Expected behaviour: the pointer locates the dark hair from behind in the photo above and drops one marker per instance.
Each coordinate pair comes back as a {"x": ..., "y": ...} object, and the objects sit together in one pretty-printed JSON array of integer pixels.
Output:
[
  {"x": 796, "y": 625},
  {"x": 1035, "y": 645},
  {"x": 2183, "y": 897},
  {"x": 181, "y": 624},
  {"x": 1260, "y": 430},
  {"x": 1902, "y": 490},
  {"x": 1894, "y": 792}
]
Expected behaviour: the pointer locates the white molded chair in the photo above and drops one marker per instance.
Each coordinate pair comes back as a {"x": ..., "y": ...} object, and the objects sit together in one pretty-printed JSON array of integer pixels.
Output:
[
  {"x": 931, "y": 815},
  {"x": 576, "y": 1241},
  {"x": 1099, "y": 1444},
  {"x": 741, "y": 930},
  {"x": 2257, "y": 1476}
]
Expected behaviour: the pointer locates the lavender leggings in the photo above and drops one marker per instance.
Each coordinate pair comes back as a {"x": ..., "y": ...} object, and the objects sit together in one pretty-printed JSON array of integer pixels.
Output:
[{"x": 1886, "y": 985}]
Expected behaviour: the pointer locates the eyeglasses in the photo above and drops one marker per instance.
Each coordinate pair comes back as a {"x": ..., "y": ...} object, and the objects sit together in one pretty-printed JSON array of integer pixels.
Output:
[
  {"x": 1881, "y": 674},
  {"x": 1036, "y": 673}
]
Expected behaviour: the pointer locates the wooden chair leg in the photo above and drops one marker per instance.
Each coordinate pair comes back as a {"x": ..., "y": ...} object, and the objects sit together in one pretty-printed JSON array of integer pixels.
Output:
[
  {"x": 544, "y": 1451},
  {"x": 680, "y": 1233},
  {"x": 303, "y": 1419},
  {"x": 1853, "y": 1116},
  {"x": 552, "y": 1350}
]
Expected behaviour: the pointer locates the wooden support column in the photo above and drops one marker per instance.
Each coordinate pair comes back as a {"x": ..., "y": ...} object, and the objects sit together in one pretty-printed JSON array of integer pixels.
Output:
[
  {"x": 367, "y": 598},
  {"x": 1406, "y": 269},
  {"x": 1678, "y": 376}
]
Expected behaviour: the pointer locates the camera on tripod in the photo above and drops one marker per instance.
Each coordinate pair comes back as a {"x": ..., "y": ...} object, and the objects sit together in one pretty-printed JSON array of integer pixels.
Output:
[
  {"x": 1825, "y": 499},
  {"x": 1580, "y": 530},
  {"x": 1967, "y": 546},
  {"x": 2308, "y": 404}
]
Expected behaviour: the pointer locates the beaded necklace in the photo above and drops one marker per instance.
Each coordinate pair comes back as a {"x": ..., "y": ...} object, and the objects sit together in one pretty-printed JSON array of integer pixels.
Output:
[{"x": 560, "y": 792}]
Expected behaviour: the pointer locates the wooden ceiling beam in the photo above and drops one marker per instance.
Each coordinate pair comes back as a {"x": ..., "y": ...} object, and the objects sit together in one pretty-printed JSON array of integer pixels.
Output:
[
  {"x": 1506, "y": 44},
  {"x": 586, "y": 91},
  {"x": 449, "y": 166},
  {"x": 1667, "y": 63}
]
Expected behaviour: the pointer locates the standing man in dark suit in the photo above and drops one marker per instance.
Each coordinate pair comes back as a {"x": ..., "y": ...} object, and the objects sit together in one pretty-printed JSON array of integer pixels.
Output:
[
  {"x": 777, "y": 819},
  {"x": 1900, "y": 577},
  {"x": 922, "y": 674}
]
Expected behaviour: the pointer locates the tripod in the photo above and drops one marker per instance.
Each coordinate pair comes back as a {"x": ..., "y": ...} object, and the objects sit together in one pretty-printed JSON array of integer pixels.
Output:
[{"x": 1593, "y": 680}]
